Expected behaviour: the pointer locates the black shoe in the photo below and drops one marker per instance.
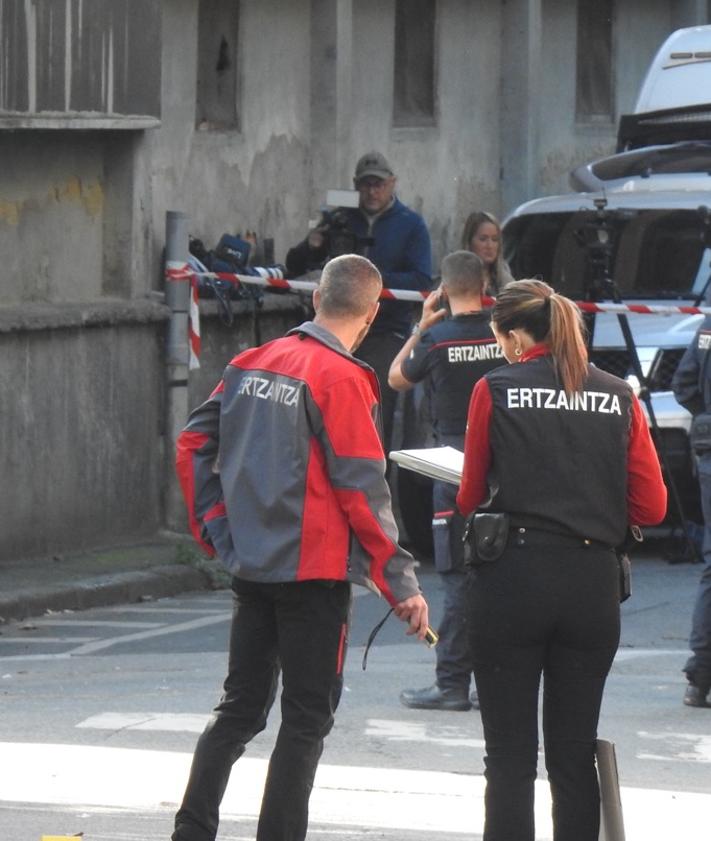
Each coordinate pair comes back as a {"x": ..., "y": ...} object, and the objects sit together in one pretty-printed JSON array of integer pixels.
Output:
[
  {"x": 474, "y": 698},
  {"x": 695, "y": 696},
  {"x": 434, "y": 698}
]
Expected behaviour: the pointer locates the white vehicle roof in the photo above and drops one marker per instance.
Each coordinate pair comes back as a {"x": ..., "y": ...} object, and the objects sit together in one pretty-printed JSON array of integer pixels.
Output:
[
  {"x": 646, "y": 197},
  {"x": 680, "y": 74}
]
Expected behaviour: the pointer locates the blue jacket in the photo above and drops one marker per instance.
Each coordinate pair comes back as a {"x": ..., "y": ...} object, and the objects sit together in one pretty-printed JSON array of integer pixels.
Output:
[{"x": 398, "y": 244}]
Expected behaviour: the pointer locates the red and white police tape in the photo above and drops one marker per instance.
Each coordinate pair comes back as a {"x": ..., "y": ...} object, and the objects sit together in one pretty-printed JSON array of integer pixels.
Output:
[{"x": 273, "y": 278}]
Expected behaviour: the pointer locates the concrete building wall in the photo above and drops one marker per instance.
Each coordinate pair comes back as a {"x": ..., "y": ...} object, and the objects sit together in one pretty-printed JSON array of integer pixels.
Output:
[
  {"x": 81, "y": 427},
  {"x": 52, "y": 232},
  {"x": 448, "y": 169},
  {"x": 639, "y": 27},
  {"x": 253, "y": 178},
  {"x": 303, "y": 126},
  {"x": 81, "y": 346}
]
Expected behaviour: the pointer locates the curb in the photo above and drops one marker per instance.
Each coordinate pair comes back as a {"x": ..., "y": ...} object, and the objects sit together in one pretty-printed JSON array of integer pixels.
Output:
[{"x": 100, "y": 591}]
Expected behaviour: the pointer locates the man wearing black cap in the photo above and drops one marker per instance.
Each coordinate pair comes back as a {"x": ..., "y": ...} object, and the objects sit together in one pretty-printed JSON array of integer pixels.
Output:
[{"x": 393, "y": 237}]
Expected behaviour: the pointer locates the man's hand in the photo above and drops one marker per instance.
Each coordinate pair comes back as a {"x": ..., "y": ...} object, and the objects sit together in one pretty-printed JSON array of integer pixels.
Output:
[
  {"x": 414, "y": 612},
  {"x": 430, "y": 315},
  {"x": 316, "y": 239},
  {"x": 432, "y": 309}
]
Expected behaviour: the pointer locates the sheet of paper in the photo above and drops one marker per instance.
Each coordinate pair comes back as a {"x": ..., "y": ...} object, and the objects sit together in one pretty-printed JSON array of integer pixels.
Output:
[{"x": 444, "y": 463}]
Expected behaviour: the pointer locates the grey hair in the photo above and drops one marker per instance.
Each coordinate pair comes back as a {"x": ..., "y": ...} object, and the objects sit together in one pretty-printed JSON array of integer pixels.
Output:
[
  {"x": 462, "y": 273},
  {"x": 349, "y": 286}
]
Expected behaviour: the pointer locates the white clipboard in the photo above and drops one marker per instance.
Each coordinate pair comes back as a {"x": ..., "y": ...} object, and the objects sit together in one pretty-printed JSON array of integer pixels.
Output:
[{"x": 444, "y": 463}]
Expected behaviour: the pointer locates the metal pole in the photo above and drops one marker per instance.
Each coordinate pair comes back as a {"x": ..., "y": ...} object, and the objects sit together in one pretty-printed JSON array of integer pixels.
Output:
[
  {"x": 177, "y": 297},
  {"x": 612, "y": 825}
]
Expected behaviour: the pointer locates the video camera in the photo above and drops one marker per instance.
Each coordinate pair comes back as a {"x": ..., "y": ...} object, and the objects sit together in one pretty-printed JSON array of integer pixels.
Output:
[
  {"x": 338, "y": 238},
  {"x": 597, "y": 236},
  {"x": 333, "y": 225}
]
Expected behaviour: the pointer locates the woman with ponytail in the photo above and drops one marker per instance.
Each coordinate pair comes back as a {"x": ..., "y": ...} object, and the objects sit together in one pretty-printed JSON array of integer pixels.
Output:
[{"x": 560, "y": 451}]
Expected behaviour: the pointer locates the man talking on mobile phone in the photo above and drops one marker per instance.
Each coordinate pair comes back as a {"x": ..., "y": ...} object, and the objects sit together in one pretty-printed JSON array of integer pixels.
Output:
[{"x": 449, "y": 350}]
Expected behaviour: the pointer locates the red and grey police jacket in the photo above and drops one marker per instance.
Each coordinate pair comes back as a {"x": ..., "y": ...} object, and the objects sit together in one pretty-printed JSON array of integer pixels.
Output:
[{"x": 283, "y": 471}]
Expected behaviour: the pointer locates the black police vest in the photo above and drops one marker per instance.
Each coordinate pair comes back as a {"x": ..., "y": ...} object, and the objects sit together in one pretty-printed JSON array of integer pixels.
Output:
[
  {"x": 452, "y": 357},
  {"x": 558, "y": 462}
]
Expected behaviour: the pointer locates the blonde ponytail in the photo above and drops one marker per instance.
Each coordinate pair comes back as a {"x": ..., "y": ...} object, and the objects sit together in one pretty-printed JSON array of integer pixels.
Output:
[{"x": 567, "y": 344}]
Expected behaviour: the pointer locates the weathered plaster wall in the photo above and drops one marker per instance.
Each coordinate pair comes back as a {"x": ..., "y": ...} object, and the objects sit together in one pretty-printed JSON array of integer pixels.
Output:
[
  {"x": 51, "y": 231},
  {"x": 451, "y": 168},
  {"x": 639, "y": 28},
  {"x": 80, "y": 432},
  {"x": 255, "y": 178}
]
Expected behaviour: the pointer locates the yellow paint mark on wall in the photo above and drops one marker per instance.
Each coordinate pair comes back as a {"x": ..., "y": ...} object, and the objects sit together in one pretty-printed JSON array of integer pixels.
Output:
[
  {"x": 10, "y": 211},
  {"x": 70, "y": 190},
  {"x": 73, "y": 191},
  {"x": 93, "y": 198}
]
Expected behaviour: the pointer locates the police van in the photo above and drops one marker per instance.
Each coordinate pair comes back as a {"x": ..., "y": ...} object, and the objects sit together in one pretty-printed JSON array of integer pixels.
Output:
[{"x": 640, "y": 218}]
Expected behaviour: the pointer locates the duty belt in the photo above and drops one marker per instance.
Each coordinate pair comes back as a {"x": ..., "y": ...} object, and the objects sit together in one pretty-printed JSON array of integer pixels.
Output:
[{"x": 527, "y": 536}]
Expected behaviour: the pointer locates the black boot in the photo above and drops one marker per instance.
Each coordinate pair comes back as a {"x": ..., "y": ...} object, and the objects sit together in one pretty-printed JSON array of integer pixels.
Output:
[
  {"x": 695, "y": 696},
  {"x": 434, "y": 698}
]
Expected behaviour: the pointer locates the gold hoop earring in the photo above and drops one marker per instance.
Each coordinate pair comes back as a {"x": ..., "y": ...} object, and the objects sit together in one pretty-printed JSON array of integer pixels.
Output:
[{"x": 518, "y": 351}]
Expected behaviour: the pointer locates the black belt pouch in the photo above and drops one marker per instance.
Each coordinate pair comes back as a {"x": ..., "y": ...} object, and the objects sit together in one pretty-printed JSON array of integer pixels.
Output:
[
  {"x": 485, "y": 537},
  {"x": 625, "y": 567}
]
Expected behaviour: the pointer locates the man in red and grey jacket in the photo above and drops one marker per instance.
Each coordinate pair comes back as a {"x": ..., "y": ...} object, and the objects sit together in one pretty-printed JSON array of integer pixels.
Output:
[{"x": 283, "y": 473}]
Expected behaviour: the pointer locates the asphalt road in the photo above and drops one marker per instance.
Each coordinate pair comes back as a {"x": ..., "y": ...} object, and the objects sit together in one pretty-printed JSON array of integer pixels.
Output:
[{"x": 101, "y": 709}]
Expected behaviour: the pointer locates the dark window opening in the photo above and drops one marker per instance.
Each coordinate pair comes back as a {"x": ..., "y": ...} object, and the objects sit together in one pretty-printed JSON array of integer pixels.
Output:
[
  {"x": 594, "y": 88},
  {"x": 414, "y": 70},
  {"x": 217, "y": 105}
]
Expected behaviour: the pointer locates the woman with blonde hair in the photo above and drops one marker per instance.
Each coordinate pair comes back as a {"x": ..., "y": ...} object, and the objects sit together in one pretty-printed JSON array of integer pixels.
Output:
[
  {"x": 482, "y": 235},
  {"x": 558, "y": 463}
]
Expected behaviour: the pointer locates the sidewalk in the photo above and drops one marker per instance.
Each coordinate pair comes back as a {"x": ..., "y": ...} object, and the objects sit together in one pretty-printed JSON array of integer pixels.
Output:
[{"x": 161, "y": 567}]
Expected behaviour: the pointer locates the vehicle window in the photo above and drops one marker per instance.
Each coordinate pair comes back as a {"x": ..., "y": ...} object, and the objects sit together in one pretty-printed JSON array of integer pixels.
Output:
[
  {"x": 650, "y": 253},
  {"x": 530, "y": 244},
  {"x": 668, "y": 257}
]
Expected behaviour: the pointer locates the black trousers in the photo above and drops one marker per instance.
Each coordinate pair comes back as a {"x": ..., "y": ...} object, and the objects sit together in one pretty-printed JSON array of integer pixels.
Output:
[
  {"x": 454, "y": 664},
  {"x": 550, "y": 611},
  {"x": 302, "y": 627},
  {"x": 698, "y": 666}
]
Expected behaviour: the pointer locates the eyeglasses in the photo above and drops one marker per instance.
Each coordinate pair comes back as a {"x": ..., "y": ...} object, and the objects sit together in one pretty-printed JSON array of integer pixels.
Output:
[{"x": 372, "y": 184}]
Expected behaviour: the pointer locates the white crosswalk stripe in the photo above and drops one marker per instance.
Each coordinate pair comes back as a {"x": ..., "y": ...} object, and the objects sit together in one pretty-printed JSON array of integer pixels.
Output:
[
  {"x": 93, "y": 645},
  {"x": 433, "y": 802},
  {"x": 679, "y": 747},
  {"x": 157, "y": 722}
]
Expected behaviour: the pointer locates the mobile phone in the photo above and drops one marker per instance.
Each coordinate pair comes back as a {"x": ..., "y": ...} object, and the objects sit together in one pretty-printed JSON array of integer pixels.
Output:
[{"x": 431, "y": 638}]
